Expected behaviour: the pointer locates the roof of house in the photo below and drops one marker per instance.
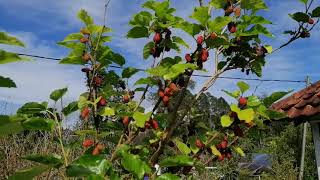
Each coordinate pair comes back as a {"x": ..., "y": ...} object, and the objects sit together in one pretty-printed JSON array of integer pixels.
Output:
[{"x": 304, "y": 103}]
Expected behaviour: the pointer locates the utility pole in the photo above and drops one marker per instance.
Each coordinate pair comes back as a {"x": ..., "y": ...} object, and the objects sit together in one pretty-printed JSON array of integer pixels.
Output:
[{"x": 304, "y": 135}]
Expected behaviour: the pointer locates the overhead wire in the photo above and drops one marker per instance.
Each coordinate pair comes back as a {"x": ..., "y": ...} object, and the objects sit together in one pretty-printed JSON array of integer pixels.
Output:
[{"x": 195, "y": 75}]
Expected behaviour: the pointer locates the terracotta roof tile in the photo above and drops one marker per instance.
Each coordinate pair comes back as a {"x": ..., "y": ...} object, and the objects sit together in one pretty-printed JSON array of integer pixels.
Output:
[{"x": 305, "y": 102}]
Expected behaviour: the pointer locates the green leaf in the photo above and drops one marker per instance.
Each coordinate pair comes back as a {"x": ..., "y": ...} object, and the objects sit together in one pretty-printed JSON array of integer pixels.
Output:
[
  {"x": 246, "y": 115},
  {"x": 178, "y": 69},
  {"x": 234, "y": 94},
  {"x": 138, "y": 32},
  {"x": 10, "y": 40},
  {"x": 218, "y": 4},
  {"x": 168, "y": 176},
  {"x": 143, "y": 18},
  {"x": 182, "y": 147},
  {"x": 275, "y": 115},
  {"x": 10, "y": 125},
  {"x": 82, "y": 102},
  {"x": 93, "y": 28},
  {"x": 84, "y": 17},
  {"x": 239, "y": 151},
  {"x": 201, "y": 14},
  {"x": 58, "y": 94},
  {"x": 38, "y": 123},
  {"x": 268, "y": 101},
  {"x": 300, "y": 17},
  {"x": 268, "y": 48},
  {"x": 179, "y": 40},
  {"x": 8, "y": 57},
  {"x": 147, "y": 49},
  {"x": 218, "y": 23},
  {"x": 316, "y": 12},
  {"x": 253, "y": 19},
  {"x": 253, "y": 101},
  {"x": 256, "y": 30},
  {"x": 149, "y": 80},
  {"x": 178, "y": 160},
  {"x": 215, "y": 151},
  {"x": 304, "y": 1},
  {"x": 226, "y": 121},
  {"x": 128, "y": 72},
  {"x": 72, "y": 107},
  {"x": 30, "y": 173},
  {"x": 190, "y": 28},
  {"x": 262, "y": 111},
  {"x": 31, "y": 108},
  {"x": 254, "y": 5},
  {"x": 141, "y": 118},
  {"x": 135, "y": 165},
  {"x": 243, "y": 86},
  {"x": 235, "y": 108},
  {"x": 50, "y": 160},
  {"x": 73, "y": 37},
  {"x": 107, "y": 111},
  {"x": 7, "y": 82},
  {"x": 88, "y": 165}
]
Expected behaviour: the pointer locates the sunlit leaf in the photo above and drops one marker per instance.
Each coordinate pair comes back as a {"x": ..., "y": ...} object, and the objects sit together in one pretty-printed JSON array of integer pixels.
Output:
[
  {"x": 10, "y": 40},
  {"x": 141, "y": 118},
  {"x": 226, "y": 121},
  {"x": 182, "y": 147}
]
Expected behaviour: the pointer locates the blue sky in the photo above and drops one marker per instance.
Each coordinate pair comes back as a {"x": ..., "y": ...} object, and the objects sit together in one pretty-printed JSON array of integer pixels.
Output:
[{"x": 42, "y": 23}]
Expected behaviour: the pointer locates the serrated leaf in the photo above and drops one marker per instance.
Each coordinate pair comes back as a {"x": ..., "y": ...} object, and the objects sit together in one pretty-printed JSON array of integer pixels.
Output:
[
  {"x": 243, "y": 86},
  {"x": 168, "y": 176},
  {"x": 253, "y": 101},
  {"x": 254, "y": 5},
  {"x": 189, "y": 28},
  {"x": 84, "y": 17},
  {"x": 10, "y": 40},
  {"x": 73, "y": 37},
  {"x": 58, "y": 94},
  {"x": 300, "y": 17},
  {"x": 246, "y": 115},
  {"x": 316, "y": 12},
  {"x": 226, "y": 121},
  {"x": 29, "y": 173},
  {"x": 178, "y": 160},
  {"x": 128, "y": 72},
  {"x": 87, "y": 165},
  {"x": 141, "y": 118},
  {"x": 138, "y": 32},
  {"x": 180, "y": 41},
  {"x": 147, "y": 49},
  {"x": 38, "y": 123},
  {"x": 215, "y": 151},
  {"x": 107, "y": 111},
  {"x": 72, "y": 107},
  {"x": 218, "y": 23},
  {"x": 239, "y": 151},
  {"x": 201, "y": 14},
  {"x": 256, "y": 30},
  {"x": 7, "y": 82},
  {"x": 182, "y": 147},
  {"x": 178, "y": 69},
  {"x": 149, "y": 80},
  {"x": 143, "y": 18}
]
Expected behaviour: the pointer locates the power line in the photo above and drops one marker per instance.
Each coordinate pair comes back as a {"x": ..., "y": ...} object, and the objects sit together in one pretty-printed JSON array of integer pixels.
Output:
[{"x": 195, "y": 75}]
